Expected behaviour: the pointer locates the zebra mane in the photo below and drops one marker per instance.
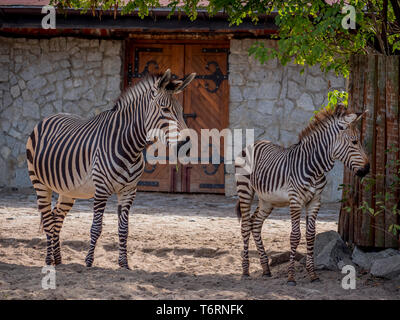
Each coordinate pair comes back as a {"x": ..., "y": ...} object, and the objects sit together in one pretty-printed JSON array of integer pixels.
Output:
[
  {"x": 322, "y": 118},
  {"x": 136, "y": 90}
]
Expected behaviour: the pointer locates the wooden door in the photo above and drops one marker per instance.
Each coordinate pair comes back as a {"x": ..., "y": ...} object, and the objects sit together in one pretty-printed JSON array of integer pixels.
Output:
[
  {"x": 205, "y": 105},
  {"x": 207, "y": 98}
]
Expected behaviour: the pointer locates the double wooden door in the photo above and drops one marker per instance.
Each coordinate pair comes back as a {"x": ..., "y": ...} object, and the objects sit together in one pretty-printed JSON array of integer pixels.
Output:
[{"x": 205, "y": 103}]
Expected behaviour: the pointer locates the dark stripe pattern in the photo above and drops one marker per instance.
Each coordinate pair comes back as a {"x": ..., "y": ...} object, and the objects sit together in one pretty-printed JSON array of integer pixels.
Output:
[
  {"x": 294, "y": 177},
  {"x": 101, "y": 156}
]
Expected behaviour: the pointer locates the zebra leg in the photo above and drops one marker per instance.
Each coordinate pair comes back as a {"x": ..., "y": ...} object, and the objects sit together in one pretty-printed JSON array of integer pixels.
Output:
[
  {"x": 295, "y": 235},
  {"x": 257, "y": 223},
  {"x": 124, "y": 204},
  {"x": 312, "y": 211},
  {"x": 246, "y": 225},
  {"x": 47, "y": 223},
  {"x": 64, "y": 204},
  {"x": 99, "y": 205}
]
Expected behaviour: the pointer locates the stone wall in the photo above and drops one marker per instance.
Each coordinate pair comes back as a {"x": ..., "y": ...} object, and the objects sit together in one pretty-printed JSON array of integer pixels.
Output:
[
  {"x": 277, "y": 102},
  {"x": 41, "y": 77}
]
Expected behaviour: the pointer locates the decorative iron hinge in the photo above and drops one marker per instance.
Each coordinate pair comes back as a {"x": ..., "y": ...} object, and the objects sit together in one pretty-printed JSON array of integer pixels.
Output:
[
  {"x": 217, "y": 76},
  {"x": 136, "y": 73}
]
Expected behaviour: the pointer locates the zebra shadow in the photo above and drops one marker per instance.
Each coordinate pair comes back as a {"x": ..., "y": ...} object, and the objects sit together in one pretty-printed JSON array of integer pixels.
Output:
[
  {"x": 195, "y": 252},
  {"x": 75, "y": 281},
  {"x": 38, "y": 243}
]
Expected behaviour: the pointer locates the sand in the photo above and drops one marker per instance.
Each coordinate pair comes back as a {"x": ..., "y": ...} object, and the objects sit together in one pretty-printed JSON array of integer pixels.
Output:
[{"x": 179, "y": 247}]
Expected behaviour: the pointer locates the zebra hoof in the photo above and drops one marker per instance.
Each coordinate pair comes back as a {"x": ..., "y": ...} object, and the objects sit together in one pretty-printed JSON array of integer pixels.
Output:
[
  {"x": 291, "y": 283},
  {"x": 246, "y": 276},
  {"x": 49, "y": 261},
  {"x": 267, "y": 275},
  {"x": 316, "y": 280},
  {"x": 57, "y": 261},
  {"x": 124, "y": 266},
  {"x": 123, "y": 263},
  {"x": 88, "y": 262}
]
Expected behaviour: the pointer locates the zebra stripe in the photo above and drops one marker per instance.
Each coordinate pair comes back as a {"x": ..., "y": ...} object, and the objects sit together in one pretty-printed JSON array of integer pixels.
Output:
[
  {"x": 295, "y": 177},
  {"x": 81, "y": 159}
]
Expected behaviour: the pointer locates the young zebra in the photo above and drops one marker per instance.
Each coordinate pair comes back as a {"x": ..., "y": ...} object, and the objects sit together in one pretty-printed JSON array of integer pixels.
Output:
[
  {"x": 81, "y": 159},
  {"x": 295, "y": 177}
]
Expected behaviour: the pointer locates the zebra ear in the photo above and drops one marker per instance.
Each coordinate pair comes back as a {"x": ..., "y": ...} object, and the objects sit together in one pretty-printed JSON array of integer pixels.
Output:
[
  {"x": 360, "y": 115},
  {"x": 349, "y": 118},
  {"x": 354, "y": 117},
  {"x": 184, "y": 83},
  {"x": 165, "y": 79}
]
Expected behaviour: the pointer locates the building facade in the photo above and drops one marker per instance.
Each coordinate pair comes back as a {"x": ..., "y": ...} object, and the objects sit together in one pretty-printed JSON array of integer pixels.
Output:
[{"x": 45, "y": 73}]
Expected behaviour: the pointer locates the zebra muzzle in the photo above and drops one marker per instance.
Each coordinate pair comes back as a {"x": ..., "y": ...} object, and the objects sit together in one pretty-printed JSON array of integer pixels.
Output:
[{"x": 363, "y": 171}]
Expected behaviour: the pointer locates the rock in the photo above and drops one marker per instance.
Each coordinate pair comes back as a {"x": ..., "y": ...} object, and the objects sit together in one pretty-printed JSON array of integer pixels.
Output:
[
  {"x": 388, "y": 268},
  {"x": 5, "y": 152},
  {"x": 30, "y": 109},
  {"x": 265, "y": 107},
  {"x": 283, "y": 257},
  {"x": 22, "y": 84},
  {"x": 250, "y": 93},
  {"x": 235, "y": 94},
  {"x": 305, "y": 102},
  {"x": 294, "y": 90},
  {"x": 36, "y": 83},
  {"x": 315, "y": 84},
  {"x": 366, "y": 259},
  {"x": 330, "y": 251},
  {"x": 111, "y": 64},
  {"x": 269, "y": 91}
]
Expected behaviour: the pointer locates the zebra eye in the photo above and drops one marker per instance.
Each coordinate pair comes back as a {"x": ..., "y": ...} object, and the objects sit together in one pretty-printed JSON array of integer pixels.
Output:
[
  {"x": 165, "y": 109},
  {"x": 354, "y": 142}
]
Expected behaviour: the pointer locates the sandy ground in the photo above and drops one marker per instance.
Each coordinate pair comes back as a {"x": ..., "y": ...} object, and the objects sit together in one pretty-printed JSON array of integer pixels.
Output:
[{"x": 179, "y": 247}]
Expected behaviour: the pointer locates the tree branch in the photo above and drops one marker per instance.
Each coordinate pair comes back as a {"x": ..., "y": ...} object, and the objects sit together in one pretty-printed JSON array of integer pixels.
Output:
[{"x": 396, "y": 9}]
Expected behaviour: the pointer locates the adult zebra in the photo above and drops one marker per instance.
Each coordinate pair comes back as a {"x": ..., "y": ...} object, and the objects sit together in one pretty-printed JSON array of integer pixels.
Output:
[
  {"x": 81, "y": 159},
  {"x": 295, "y": 177}
]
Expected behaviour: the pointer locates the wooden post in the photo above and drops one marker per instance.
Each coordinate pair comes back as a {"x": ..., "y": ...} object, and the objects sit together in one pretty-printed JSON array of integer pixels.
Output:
[{"x": 374, "y": 85}]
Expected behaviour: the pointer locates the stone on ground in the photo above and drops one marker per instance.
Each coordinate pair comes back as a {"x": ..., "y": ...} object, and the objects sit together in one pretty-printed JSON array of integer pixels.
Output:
[
  {"x": 366, "y": 259},
  {"x": 330, "y": 251},
  {"x": 388, "y": 268}
]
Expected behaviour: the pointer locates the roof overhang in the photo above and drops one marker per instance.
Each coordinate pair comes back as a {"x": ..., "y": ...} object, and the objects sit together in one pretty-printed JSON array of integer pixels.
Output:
[{"x": 26, "y": 20}]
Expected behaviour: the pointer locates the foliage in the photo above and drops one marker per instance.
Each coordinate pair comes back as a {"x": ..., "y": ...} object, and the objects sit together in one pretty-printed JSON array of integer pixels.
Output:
[
  {"x": 310, "y": 32},
  {"x": 383, "y": 202},
  {"x": 334, "y": 97}
]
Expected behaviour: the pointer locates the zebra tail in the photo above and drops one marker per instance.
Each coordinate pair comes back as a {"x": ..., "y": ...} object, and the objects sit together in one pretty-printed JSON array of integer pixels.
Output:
[
  {"x": 237, "y": 210},
  {"x": 41, "y": 224}
]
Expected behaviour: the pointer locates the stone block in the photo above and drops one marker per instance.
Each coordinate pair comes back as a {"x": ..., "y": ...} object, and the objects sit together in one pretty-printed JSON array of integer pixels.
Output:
[
  {"x": 330, "y": 251},
  {"x": 305, "y": 102},
  {"x": 30, "y": 109},
  {"x": 268, "y": 91},
  {"x": 94, "y": 56},
  {"x": 316, "y": 84},
  {"x": 235, "y": 94},
  {"x": 366, "y": 259},
  {"x": 112, "y": 65},
  {"x": 388, "y": 268},
  {"x": 15, "y": 91},
  {"x": 294, "y": 91},
  {"x": 36, "y": 83},
  {"x": 235, "y": 46},
  {"x": 250, "y": 93}
]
